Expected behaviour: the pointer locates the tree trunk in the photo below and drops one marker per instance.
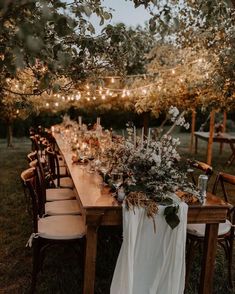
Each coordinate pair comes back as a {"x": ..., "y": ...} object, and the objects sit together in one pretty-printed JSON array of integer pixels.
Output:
[{"x": 9, "y": 135}]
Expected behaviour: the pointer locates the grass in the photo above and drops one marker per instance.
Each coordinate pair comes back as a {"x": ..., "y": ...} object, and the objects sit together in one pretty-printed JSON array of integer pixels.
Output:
[{"x": 62, "y": 272}]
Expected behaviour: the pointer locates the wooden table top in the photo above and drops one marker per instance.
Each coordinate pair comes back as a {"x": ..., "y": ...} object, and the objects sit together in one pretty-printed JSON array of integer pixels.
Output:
[
  {"x": 93, "y": 195},
  {"x": 223, "y": 137},
  {"x": 88, "y": 185}
]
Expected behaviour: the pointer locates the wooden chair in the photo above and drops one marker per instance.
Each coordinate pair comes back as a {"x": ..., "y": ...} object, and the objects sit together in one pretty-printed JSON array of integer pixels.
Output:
[
  {"x": 51, "y": 230},
  {"x": 59, "y": 206},
  {"x": 200, "y": 166},
  {"x": 60, "y": 180},
  {"x": 196, "y": 232}
]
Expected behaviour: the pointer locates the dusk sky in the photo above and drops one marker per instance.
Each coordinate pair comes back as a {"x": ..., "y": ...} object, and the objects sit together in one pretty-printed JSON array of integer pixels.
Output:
[{"x": 124, "y": 12}]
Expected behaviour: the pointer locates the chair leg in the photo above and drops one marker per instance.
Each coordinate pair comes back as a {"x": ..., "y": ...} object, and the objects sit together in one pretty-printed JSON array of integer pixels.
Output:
[
  {"x": 189, "y": 259},
  {"x": 230, "y": 262},
  {"x": 36, "y": 264}
]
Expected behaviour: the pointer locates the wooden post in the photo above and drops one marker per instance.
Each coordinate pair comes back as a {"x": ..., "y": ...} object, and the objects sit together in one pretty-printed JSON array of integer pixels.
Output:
[
  {"x": 223, "y": 130},
  {"x": 211, "y": 135},
  {"x": 193, "y": 124}
]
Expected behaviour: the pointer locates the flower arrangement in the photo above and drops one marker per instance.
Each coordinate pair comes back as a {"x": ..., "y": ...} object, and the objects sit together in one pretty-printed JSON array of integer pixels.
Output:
[{"x": 152, "y": 170}]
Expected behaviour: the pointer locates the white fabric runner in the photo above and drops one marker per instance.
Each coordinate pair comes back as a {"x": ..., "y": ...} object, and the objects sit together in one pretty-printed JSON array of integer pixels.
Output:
[{"x": 149, "y": 262}]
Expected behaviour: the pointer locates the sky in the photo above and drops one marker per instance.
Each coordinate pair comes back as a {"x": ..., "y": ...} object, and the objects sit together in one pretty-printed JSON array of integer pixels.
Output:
[{"x": 124, "y": 12}]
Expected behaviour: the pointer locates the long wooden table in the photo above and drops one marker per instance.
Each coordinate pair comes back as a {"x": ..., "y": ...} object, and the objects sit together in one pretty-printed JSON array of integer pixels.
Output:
[
  {"x": 221, "y": 138},
  {"x": 100, "y": 208}
]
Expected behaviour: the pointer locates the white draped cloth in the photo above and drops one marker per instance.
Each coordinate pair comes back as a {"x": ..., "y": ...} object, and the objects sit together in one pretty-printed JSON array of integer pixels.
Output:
[{"x": 151, "y": 262}]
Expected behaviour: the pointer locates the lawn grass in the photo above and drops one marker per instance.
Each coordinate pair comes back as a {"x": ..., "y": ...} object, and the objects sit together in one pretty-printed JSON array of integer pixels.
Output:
[{"x": 62, "y": 272}]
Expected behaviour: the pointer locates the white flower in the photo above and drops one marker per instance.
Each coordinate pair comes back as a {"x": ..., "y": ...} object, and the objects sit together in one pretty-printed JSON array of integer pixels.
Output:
[
  {"x": 174, "y": 111},
  {"x": 187, "y": 125},
  {"x": 156, "y": 158}
]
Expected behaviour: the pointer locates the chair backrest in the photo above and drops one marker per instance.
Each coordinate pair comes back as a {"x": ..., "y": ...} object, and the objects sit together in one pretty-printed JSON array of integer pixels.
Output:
[
  {"x": 200, "y": 166},
  {"x": 228, "y": 180},
  {"x": 35, "y": 145},
  {"x": 28, "y": 179},
  {"x": 53, "y": 163},
  {"x": 222, "y": 179},
  {"x": 40, "y": 185},
  {"x": 32, "y": 156}
]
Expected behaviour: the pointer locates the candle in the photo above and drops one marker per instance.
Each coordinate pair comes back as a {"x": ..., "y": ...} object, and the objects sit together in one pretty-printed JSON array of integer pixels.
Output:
[
  {"x": 98, "y": 121},
  {"x": 134, "y": 137},
  {"x": 142, "y": 138},
  {"x": 149, "y": 138},
  {"x": 80, "y": 121}
]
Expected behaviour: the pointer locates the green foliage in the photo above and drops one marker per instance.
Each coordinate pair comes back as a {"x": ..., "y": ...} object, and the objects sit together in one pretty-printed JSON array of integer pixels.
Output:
[{"x": 171, "y": 216}]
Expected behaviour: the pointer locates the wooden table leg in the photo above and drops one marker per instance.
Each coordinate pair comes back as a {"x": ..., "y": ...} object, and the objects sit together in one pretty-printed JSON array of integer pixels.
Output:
[
  {"x": 208, "y": 261},
  {"x": 90, "y": 259}
]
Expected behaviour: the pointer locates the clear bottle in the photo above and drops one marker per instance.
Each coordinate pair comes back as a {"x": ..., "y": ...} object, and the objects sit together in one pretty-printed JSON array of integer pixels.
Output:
[{"x": 202, "y": 186}]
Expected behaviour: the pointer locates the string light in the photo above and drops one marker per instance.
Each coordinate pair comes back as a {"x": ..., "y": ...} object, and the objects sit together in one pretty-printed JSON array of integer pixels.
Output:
[
  {"x": 47, "y": 104},
  {"x": 17, "y": 111},
  {"x": 108, "y": 91},
  {"x": 56, "y": 104}
]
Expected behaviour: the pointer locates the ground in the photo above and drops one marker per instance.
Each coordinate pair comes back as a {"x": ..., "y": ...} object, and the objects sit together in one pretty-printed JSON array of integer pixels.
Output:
[{"x": 62, "y": 272}]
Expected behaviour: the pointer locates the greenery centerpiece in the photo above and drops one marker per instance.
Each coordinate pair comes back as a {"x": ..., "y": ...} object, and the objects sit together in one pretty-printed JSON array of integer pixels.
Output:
[{"x": 151, "y": 170}]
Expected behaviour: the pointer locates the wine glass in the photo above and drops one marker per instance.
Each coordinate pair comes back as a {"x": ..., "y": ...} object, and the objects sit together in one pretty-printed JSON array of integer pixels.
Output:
[{"x": 104, "y": 168}]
